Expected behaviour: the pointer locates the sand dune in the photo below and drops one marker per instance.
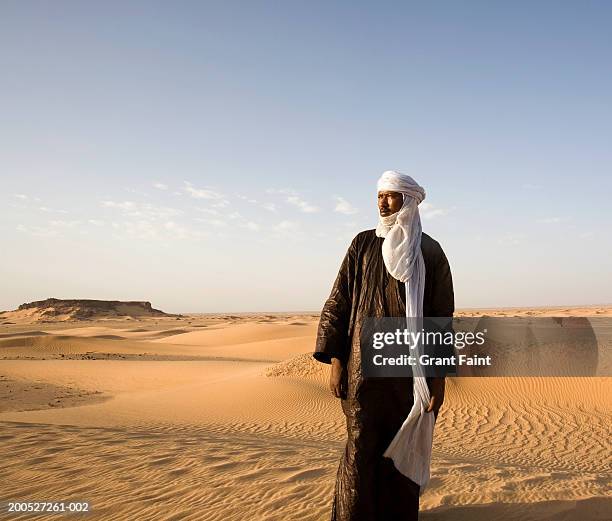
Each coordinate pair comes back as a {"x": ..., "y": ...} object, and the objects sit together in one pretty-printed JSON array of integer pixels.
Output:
[
  {"x": 248, "y": 428},
  {"x": 243, "y": 334}
]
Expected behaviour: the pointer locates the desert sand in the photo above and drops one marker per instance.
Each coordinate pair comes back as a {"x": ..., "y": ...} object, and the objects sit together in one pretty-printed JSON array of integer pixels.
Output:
[{"x": 228, "y": 417}]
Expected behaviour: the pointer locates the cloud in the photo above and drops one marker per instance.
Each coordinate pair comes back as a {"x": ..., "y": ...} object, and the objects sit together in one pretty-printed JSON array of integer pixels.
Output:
[
  {"x": 217, "y": 223},
  {"x": 144, "y": 229},
  {"x": 149, "y": 222},
  {"x": 183, "y": 232},
  {"x": 160, "y": 186},
  {"x": 64, "y": 224},
  {"x": 37, "y": 231},
  {"x": 141, "y": 229},
  {"x": 210, "y": 211},
  {"x": 236, "y": 220},
  {"x": 137, "y": 192},
  {"x": 250, "y": 225},
  {"x": 429, "y": 211},
  {"x": 287, "y": 226},
  {"x": 221, "y": 203},
  {"x": 24, "y": 197},
  {"x": 247, "y": 199},
  {"x": 96, "y": 222},
  {"x": 202, "y": 193},
  {"x": 51, "y": 228},
  {"x": 288, "y": 230},
  {"x": 344, "y": 207},
  {"x": 271, "y": 207},
  {"x": 125, "y": 205},
  {"x": 294, "y": 199},
  {"x": 301, "y": 204},
  {"x": 142, "y": 210},
  {"x": 50, "y": 210}
]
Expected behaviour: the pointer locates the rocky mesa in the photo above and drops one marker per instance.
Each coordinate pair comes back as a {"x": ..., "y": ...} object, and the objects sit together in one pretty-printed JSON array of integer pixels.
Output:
[{"x": 60, "y": 310}]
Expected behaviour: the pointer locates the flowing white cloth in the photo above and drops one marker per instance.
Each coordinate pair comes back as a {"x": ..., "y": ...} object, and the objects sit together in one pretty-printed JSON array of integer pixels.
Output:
[{"x": 410, "y": 449}]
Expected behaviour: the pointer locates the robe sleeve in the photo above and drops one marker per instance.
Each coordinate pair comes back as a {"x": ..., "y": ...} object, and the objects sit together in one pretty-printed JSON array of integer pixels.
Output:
[
  {"x": 443, "y": 298},
  {"x": 332, "y": 335},
  {"x": 443, "y": 303}
]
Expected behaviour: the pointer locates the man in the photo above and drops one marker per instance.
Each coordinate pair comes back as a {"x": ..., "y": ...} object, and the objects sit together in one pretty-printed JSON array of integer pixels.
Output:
[{"x": 382, "y": 270}]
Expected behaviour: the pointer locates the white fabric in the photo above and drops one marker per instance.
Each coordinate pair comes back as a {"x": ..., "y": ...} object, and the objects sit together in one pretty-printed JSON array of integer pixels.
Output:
[{"x": 410, "y": 449}]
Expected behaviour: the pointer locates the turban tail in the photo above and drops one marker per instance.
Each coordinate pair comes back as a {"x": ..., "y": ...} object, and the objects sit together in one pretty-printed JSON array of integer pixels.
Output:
[{"x": 410, "y": 449}]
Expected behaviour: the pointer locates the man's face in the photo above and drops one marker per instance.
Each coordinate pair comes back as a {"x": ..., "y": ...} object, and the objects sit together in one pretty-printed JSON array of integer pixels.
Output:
[{"x": 389, "y": 203}]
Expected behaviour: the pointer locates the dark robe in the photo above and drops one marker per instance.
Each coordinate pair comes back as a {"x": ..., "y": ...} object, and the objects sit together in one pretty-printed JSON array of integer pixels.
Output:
[{"x": 368, "y": 486}]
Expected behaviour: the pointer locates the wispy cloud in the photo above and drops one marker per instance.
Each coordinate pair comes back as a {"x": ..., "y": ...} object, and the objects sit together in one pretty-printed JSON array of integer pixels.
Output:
[
  {"x": 51, "y": 210},
  {"x": 136, "y": 192},
  {"x": 142, "y": 210},
  {"x": 294, "y": 199},
  {"x": 160, "y": 186},
  {"x": 429, "y": 211},
  {"x": 231, "y": 219},
  {"x": 344, "y": 207},
  {"x": 122, "y": 205},
  {"x": 210, "y": 211},
  {"x": 144, "y": 229},
  {"x": 64, "y": 224},
  {"x": 271, "y": 207},
  {"x": 38, "y": 231},
  {"x": 202, "y": 193},
  {"x": 287, "y": 226},
  {"x": 287, "y": 230},
  {"x": 148, "y": 221},
  {"x": 25, "y": 197},
  {"x": 217, "y": 223},
  {"x": 304, "y": 206},
  {"x": 250, "y": 225},
  {"x": 221, "y": 203},
  {"x": 184, "y": 232},
  {"x": 247, "y": 199},
  {"x": 141, "y": 229}
]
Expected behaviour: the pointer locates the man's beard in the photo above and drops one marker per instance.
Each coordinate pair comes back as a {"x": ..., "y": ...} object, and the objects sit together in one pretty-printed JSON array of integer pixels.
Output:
[
  {"x": 385, "y": 223},
  {"x": 388, "y": 220}
]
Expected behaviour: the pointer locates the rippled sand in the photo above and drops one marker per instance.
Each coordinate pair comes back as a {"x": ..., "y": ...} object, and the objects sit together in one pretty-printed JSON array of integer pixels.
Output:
[{"x": 227, "y": 418}]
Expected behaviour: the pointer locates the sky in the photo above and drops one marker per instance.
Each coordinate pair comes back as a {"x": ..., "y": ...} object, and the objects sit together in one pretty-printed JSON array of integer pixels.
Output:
[{"x": 220, "y": 156}]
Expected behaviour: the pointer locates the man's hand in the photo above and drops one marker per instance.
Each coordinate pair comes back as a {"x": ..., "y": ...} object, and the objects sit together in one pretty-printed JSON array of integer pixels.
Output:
[
  {"x": 436, "y": 390},
  {"x": 335, "y": 379}
]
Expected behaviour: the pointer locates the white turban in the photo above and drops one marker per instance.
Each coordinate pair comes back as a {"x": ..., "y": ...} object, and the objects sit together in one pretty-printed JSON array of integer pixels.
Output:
[
  {"x": 410, "y": 449},
  {"x": 392, "y": 181}
]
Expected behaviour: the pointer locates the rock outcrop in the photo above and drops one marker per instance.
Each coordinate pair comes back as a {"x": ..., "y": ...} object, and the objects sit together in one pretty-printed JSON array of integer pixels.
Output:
[{"x": 53, "y": 309}]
